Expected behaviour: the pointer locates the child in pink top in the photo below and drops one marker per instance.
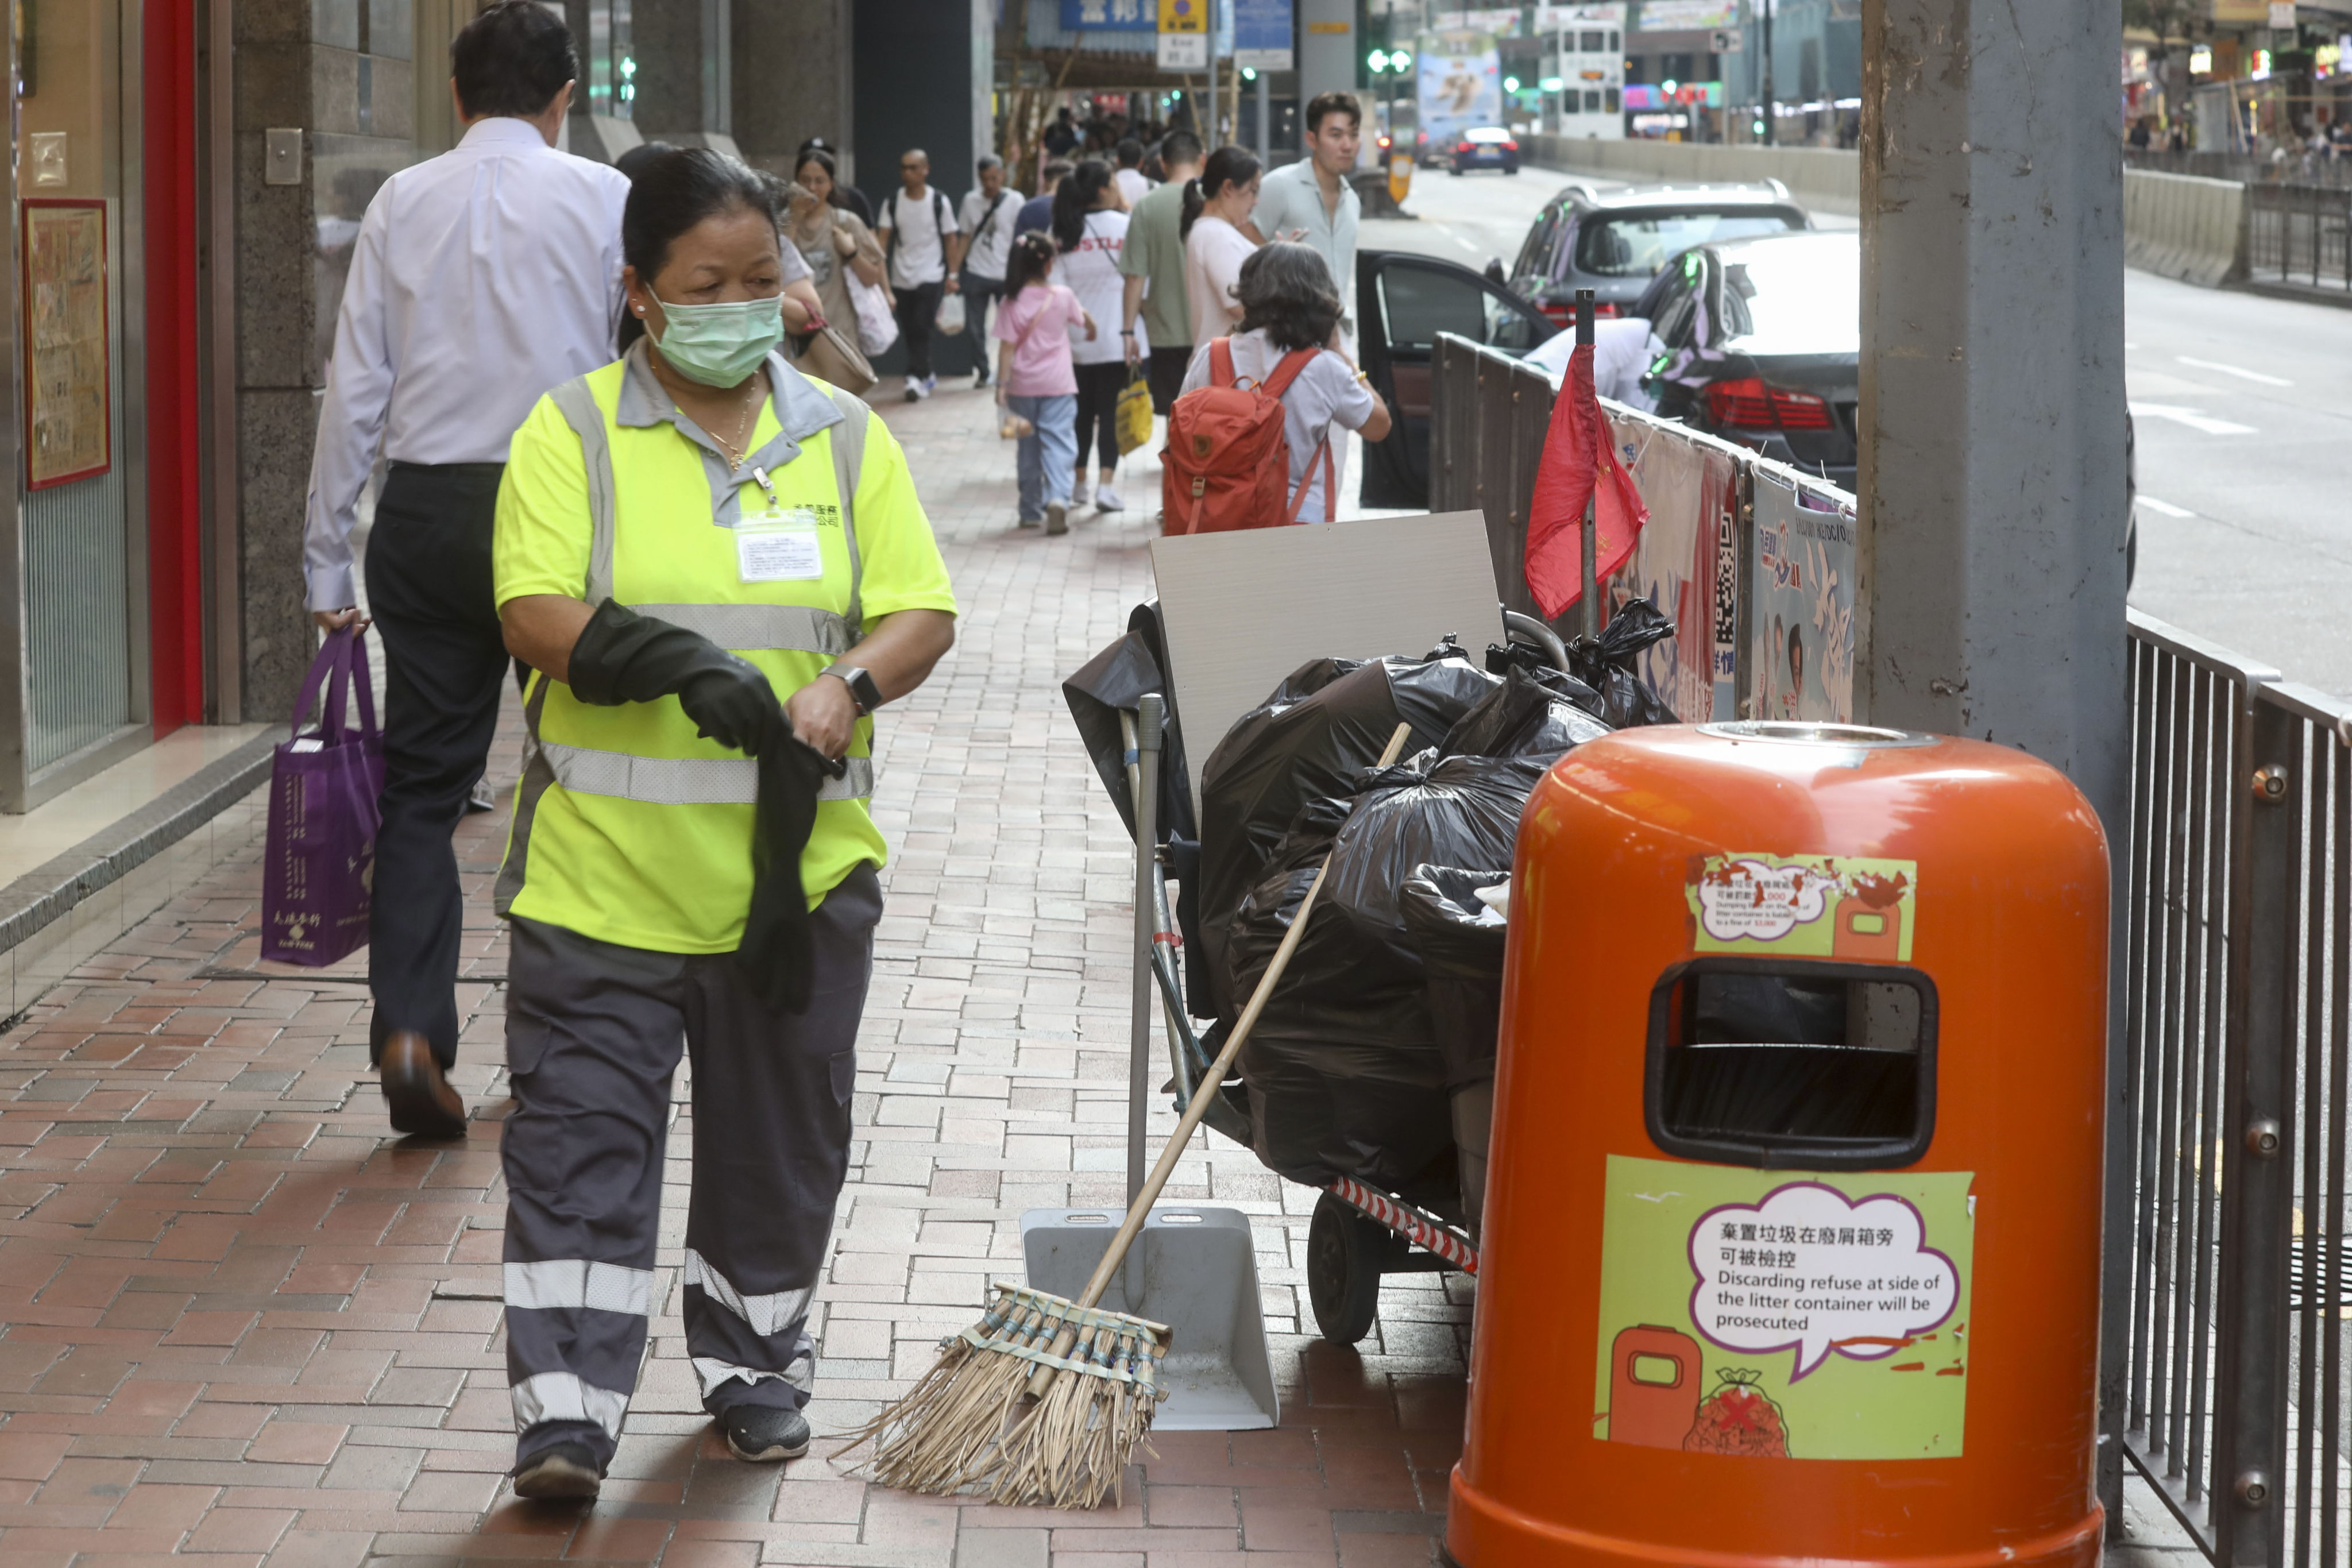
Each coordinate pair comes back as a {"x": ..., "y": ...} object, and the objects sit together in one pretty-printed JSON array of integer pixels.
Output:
[{"x": 1036, "y": 379}]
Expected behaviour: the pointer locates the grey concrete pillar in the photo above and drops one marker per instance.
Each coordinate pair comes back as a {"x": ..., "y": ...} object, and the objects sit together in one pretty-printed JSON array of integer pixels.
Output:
[
  {"x": 685, "y": 76},
  {"x": 337, "y": 73},
  {"x": 1992, "y": 401},
  {"x": 1329, "y": 45},
  {"x": 793, "y": 80}
]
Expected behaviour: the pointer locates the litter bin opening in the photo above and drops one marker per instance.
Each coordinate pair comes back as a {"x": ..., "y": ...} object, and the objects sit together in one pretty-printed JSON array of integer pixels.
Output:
[{"x": 1791, "y": 1064}]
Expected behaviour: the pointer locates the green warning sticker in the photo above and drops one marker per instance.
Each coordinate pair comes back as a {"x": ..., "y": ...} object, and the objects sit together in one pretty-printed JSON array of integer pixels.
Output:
[
  {"x": 1782, "y": 1315},
  {"x": 1804, "y": 906}
]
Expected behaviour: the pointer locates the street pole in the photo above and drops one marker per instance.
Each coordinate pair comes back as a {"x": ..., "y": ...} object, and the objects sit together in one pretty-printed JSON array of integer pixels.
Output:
[
  {"x": 1772, "y": 119},
  {"x": 1209, "y": 131},
  {"x": 1990, "y": 539},
  {"x": 1265, "y": 141}
]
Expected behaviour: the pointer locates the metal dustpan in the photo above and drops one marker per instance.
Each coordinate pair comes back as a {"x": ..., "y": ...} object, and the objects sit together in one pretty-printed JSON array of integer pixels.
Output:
[{"x": 1192, "y": 1268}]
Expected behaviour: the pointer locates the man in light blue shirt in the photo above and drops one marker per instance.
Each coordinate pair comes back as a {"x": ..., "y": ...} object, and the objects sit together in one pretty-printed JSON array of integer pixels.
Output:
[{"x": 1311, "y": 202}]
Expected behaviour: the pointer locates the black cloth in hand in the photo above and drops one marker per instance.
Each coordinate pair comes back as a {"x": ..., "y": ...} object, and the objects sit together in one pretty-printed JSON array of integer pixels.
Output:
[
  {"x": 774, "y": 952},
  {"x": 624, "y": 657}
]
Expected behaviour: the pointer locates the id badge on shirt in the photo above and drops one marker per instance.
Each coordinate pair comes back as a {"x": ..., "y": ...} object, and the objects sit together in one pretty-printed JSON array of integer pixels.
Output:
[{"x": 779, "y": 545}]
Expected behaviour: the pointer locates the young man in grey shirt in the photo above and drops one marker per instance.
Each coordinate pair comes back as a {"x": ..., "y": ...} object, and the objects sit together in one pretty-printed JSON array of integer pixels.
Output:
[{"x": 1311, "y": 202}]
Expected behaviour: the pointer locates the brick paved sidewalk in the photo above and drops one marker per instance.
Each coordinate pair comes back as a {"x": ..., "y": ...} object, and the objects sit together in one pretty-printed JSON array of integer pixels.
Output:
[{"x": 238, "y": 1319}]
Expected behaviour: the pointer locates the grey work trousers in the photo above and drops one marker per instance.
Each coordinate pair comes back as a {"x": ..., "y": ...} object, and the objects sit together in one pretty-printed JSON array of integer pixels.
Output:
[{"x": 593, "y": 1032}]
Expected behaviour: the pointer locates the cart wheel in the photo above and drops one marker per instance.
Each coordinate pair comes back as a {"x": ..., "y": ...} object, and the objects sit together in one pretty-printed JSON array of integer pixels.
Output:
[{"x": 1344, "y": 1254}]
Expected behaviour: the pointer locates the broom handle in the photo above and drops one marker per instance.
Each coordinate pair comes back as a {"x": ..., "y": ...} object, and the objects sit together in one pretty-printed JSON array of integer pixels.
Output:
[{"x": 1214, "y": 1080}]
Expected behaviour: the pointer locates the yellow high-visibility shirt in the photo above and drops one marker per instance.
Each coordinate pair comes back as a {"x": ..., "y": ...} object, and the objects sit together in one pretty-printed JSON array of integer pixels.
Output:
[{"x": 625, "y": 830}]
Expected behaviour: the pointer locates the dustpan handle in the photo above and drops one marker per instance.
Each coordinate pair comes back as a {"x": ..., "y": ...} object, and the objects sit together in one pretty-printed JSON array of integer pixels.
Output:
[{"x": 1213, "y": 1080}]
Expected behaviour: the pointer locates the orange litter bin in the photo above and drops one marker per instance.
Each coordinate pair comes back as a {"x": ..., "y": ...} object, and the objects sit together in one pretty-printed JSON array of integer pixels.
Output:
[{"x": 1791, "y": 1245}]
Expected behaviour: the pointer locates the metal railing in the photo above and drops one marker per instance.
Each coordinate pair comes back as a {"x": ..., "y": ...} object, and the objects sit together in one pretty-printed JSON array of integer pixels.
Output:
[
  {"x": 2300, "y": 168},
  {"x": 2229, "y": 1228},
  {"x": 2297, "y": 234}
]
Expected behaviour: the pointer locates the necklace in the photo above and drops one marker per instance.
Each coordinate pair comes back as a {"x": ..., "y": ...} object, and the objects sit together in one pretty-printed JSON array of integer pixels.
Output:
[{"x": 737, "y": 449}]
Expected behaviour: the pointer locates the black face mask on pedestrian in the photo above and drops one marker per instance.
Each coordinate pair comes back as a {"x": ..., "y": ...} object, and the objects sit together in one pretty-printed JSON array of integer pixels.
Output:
[{"x": 624, "y": 657}]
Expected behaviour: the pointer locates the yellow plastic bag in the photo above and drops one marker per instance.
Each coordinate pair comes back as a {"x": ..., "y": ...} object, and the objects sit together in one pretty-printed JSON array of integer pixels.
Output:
[{"x": 1133, "y": 414}]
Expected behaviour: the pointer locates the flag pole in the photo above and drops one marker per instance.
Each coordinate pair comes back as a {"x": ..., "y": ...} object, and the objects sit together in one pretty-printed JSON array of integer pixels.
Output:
[{"x": 1589, "y": 598}]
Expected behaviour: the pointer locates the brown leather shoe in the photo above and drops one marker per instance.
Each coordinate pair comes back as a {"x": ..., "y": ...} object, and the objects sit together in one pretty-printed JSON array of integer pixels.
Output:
[{"x": 420, "y": 1098}]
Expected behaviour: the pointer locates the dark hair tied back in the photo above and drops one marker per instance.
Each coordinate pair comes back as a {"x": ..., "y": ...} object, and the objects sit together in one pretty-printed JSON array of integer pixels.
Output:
[
  {"x": 670, "y": 194},
  {"x": 1032, "y": 259},
  {"x": 1074, "y": 197},
  {"x": 1227, "y": 166}
]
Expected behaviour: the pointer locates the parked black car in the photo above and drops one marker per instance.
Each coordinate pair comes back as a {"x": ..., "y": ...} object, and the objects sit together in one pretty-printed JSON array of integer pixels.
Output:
[
  {"x": 1763, "y": 345},
  {"x": 1613, "y": 242},
  {"x": 1402, "y": 302}
]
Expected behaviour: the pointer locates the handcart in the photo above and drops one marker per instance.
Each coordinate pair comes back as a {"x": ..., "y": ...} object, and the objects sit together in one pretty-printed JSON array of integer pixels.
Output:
[{"x": 1358, "y": 1232}]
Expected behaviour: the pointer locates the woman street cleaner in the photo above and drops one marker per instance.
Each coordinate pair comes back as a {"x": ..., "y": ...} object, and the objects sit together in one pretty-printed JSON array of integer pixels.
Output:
[{"x": 719, "y": 569}]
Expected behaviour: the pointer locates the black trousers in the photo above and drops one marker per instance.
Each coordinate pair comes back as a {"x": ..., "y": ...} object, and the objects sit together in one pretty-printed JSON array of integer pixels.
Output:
[
  {"x": 428, "y": 577},
  {"x": 918, "y": 313},
  {"x": 1166, "y": 367},
  {"x": 592, "y": 1038},
  {"x": 1098, "y": 389}
]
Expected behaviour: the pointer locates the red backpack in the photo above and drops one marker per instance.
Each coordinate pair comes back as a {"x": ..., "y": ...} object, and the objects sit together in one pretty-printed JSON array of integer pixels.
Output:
[{"x": 1228, "y": 459}]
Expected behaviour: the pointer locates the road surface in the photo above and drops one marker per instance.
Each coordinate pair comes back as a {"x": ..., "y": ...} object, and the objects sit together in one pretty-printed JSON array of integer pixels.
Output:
[{"x": 2243, "y": 407}]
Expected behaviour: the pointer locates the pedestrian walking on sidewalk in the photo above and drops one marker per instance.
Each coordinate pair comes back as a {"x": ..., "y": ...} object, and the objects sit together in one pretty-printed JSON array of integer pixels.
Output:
[
  {"x": 1288, "y": 338},
  {"x": 831, "y": 242},
  {"x": 682, "y": 869},
  {"x": 919, "y": 234},
  {"x": 1037, "y": 212},
  {"x": 1090, "y": 230},
  {"x": 1153, "y": 310},
  {"x": 1216, "y": 205},
  {"x": 1037, "y": 381},
  {"x": 1311, "y": 201},
  {"x": 990, "y": 211},
  {"x": 479, "y": 279},
  {"x": 1132, "y": 186}
]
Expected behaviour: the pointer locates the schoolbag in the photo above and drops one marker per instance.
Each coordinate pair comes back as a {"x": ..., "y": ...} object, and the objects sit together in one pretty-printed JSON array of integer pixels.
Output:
[{"x": 1227, "y": 460}]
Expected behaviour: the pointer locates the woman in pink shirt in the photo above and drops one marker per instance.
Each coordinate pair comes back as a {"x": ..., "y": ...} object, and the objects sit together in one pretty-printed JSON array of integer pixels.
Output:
[{"x": 1037, "y": 379}]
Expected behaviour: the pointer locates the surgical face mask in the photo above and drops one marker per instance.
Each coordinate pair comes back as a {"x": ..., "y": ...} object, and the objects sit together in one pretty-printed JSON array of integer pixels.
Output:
[{"x": 719, "y": 345}]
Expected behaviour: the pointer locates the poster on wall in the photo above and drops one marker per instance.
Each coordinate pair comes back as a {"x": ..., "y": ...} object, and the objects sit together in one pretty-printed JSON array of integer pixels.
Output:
[
  {"x": 1461, "y": 84},
  {"x": 67, "y": 433},
  {"x": 1782, "y": 1316},
  {"x": 1802, "y": 615},
  {"x": 1685, "y": 564}
]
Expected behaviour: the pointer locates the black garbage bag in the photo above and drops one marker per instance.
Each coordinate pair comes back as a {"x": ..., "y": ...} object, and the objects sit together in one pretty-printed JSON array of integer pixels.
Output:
[
  {"x": 1503, "y": 657},
  {"x": 1345, "y": 1070},
  {"x": 1527, "y": 716},
  {"x": 1112, "y": 682},
  {"x": 1308, "y": 744},
  {"x": 1460, "y": 940},
  {"x": 1607, "y": 663}
]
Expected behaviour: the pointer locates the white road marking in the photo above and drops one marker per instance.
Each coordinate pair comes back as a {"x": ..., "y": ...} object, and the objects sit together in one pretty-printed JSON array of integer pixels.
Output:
[
  {"x": 2234, "y": 370},
  {"x": 2190, "y": 417},
  {"x": 2165, "y": 507}
]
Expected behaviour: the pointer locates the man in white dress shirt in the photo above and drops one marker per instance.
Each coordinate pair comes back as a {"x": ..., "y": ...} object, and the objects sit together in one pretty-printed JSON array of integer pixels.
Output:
[{"x": 479, "y": 281}]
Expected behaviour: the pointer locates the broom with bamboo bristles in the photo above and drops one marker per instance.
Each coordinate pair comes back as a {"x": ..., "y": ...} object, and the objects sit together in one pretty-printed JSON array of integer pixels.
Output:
[{"x": 1044, "y": 1399}]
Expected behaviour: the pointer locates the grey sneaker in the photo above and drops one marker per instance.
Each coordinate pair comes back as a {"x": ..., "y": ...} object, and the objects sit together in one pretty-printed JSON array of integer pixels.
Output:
[
  {"x": 761, "y": 1434},
  {"x": 564, "y": 1471},
  {"x": 483, "y": 798},
  {"x": 1057, "y": 517}
]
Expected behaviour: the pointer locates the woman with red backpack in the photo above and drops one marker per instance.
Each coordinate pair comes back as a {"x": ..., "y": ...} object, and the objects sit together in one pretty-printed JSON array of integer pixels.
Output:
[{"x": 1284, "y": 353}]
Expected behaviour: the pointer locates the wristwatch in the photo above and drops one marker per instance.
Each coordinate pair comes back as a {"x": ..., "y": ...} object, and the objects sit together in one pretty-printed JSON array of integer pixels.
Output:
[{"x": 861, "y": 689}]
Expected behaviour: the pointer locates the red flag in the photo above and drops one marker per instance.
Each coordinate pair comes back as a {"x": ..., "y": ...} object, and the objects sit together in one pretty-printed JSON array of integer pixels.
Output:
[{"x": 1576, "y": 465}]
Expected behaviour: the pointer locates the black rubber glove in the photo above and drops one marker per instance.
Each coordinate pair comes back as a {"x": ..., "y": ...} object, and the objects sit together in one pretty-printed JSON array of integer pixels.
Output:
[
  {"x": 774, "y": 951},
  {"x": 624, "y": 657}
]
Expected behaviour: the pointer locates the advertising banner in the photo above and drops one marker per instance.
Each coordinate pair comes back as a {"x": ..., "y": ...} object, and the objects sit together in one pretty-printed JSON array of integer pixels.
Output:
[
  {"x": 1780, "y": 1315},
  {"x": 1461, "y": 84},
  {"x": 1683, "y": 16},
  {"x": 1262, "y": 34},
  {"x": 1687, "y": 564},
  {"x": 1504, "y": 23},
  {"x": 1802, "y": 611}
]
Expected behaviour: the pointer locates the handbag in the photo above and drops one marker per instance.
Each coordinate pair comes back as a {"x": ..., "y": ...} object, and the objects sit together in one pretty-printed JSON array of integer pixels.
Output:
[
  {"x": 1132, "y": 415},
  {"x": 831, "y": 357},
  {"x": 323, "y": 814}
]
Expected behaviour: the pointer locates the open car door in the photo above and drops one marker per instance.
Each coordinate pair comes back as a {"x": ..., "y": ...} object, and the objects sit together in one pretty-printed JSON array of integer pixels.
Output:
[{"x": 1402, "y": 302}]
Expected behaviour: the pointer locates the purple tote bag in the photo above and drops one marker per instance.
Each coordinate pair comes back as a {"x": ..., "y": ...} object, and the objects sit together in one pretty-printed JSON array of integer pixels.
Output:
[{"x": 322, "y": 817}]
